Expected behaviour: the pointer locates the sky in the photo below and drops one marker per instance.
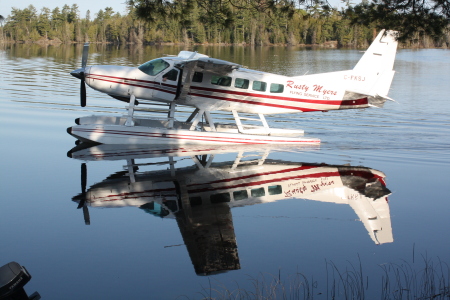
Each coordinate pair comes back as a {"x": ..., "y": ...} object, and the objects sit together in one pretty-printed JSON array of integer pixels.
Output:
[{"x": 84, "y": 5}]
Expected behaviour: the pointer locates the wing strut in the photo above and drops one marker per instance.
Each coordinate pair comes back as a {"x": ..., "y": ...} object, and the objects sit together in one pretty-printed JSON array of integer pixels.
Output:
[
  {"x": 197, "y": 115},
  {"x": 196, "y": 119},
  {"x": 129, "y": 121},
  {"x": 192, "y": 115},
  {"x": 171, "y": 114},
  {"x": 240, "y": 126},
  {"x": 186, "y": 79}
]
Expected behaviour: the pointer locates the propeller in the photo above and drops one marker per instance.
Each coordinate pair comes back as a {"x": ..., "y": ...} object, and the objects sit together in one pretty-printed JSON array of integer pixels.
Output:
[
  {"x": 80, "y": 74},
  {"x": 82, "y": 203},
  {"x": 83, "y": 66},
  {"x": 83, "y": 92}
]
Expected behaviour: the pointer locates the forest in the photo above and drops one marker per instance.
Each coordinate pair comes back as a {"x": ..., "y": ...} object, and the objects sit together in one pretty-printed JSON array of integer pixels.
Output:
[{"x": 314, "y": 25}]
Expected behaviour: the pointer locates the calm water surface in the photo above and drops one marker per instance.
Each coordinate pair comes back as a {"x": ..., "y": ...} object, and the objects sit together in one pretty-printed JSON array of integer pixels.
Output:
[{"x": 143, "y": 250}]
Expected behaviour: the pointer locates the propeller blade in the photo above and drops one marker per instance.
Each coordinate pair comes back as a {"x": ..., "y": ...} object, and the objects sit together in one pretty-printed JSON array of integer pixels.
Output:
[
  {"x": 83, "y": 186},
  {"x": 87, "y": 218},
  {"x": 84, "y": 58},
  {"x": 83, "y": 177},
  {"x": 82, "y": 201},
  {"x": 82, "y": 92}
]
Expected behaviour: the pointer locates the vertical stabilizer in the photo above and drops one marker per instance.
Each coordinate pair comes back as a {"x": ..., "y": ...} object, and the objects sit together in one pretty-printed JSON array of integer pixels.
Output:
[
  {"x": 380, "y": 55},
  {"x": 377, "y": 64},
  {"x": 372, "y": 75}
]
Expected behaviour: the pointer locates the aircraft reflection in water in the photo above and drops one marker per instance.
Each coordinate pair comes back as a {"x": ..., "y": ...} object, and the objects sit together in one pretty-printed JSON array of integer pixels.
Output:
[{"x": 200, "y": 196}]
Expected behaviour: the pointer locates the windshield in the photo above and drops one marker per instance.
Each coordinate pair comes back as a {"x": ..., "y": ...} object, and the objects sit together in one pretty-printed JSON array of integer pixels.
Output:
[{"x": 154, "y": 67}]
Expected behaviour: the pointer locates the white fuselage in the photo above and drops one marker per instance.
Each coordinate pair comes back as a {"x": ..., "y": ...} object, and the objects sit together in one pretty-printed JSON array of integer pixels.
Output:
[
  {"x": 211, "y": 84},
  {"x": 253, "y": 184},
  {"x": 246, "y": 90}
]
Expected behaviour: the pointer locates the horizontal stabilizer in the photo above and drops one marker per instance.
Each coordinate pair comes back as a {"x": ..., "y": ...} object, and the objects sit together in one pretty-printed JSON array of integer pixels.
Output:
[{"x": 383, "y": 84}]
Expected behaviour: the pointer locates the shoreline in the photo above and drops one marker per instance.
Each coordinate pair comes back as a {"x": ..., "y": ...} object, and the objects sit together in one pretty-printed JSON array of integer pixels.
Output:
[{"x": 326, "y": 45}]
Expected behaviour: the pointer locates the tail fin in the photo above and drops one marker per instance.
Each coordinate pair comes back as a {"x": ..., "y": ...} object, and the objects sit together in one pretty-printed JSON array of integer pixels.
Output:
[
  {"x": 371, "y": 77},
  {"x": 381, "y": 53},
  {"x": 376, "y": 66}
]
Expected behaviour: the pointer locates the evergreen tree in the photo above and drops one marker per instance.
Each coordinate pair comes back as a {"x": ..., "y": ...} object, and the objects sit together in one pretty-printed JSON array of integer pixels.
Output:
[
  {"x": 43, "y": 25},
  {"x": 258, "y": 22},
  {"x": 410, "y": 18}
]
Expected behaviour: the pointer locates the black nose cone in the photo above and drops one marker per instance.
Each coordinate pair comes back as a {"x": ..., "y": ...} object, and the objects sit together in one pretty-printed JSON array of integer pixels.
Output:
[{"x": 78, "y": 73}]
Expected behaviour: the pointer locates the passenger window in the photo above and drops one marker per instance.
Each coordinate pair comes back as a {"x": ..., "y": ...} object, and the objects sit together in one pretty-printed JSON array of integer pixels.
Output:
[
  {"x": 259, "y": 192},
  {"x": 275, "y": 190},
  {"x": 259, "y": 86},
  {"x": 240, "y": 195},
  {"x": 171, "y": 75},
  {"x": 195, "y": 201},
  {"x": 276, "y": 88},
  {"x": 221, "y": 80},
  {"x": 154, "y": 67},
  {"x": 220, "y": 198},
  {"x": 241, "y": 83},
  {"x": 198, "y": 77}
]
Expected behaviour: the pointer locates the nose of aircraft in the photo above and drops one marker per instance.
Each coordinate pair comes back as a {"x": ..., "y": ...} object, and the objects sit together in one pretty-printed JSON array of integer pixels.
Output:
[{"x": 79, "y": 73}]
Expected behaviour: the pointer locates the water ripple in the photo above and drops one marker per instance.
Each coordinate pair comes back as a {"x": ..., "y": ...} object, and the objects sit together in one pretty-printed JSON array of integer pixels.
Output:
[{"x": 419, "y": 121}]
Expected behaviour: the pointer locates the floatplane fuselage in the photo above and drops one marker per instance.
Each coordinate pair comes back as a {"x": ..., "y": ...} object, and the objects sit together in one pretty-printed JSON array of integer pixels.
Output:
[
  {"x": 251, "y": 178},
  {"x": 209, "y": 84}
]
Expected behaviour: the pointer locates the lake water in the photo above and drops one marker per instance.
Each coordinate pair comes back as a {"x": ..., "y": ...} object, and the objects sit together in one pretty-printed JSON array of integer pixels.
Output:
[{"x": 351, "y": 230}]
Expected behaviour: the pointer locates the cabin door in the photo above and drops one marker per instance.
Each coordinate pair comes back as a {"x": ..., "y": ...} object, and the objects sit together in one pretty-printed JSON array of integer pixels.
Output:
[{"x": 166, "y": 85}]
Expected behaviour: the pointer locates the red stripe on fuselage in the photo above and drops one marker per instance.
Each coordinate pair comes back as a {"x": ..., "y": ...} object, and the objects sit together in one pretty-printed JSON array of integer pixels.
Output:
[
  {"x": 301, "y": 168},
  {"x": 110, "y": 79},
  {"x": 263, "y": 96},
  {"x": 356, "y": 102},
  {"x": 256, "y": 103},
  {"x": 275, "y": 180},
  {"x": 131, "y": 79}
]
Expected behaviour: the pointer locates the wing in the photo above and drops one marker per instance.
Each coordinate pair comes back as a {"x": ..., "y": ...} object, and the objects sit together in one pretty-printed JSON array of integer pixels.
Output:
[{"x": 201, "y": 63}]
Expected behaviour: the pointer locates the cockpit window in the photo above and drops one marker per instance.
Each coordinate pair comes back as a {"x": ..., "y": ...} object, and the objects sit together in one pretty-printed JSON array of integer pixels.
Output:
[
  {"x": 155, "y": 209},
  {"x": 154, "y": 67}
]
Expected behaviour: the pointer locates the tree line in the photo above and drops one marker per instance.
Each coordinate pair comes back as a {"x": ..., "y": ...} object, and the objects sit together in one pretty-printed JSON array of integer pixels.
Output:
[{"x": 191, "y": 22}]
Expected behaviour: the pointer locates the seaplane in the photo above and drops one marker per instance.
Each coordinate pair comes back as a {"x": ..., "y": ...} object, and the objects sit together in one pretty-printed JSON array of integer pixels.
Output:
[
  {"x": 206, "y": 85},
  {"x": 198, "y": 186}
]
